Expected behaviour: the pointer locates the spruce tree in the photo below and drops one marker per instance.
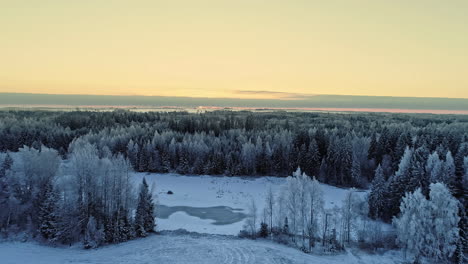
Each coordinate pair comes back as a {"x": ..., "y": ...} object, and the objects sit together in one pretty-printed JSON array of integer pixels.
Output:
[
  {"x": 418, "y": 176},
  {"x": 144, "y": 218},
  {"x": 47, "y": 215},
  {"x": 376, "y": 196},
  {"x": 448, "y": 172},
  {"x": 458, "y": 187},
  {"x": 313, "y": 157},
  {"x": 397, "y": 186}
]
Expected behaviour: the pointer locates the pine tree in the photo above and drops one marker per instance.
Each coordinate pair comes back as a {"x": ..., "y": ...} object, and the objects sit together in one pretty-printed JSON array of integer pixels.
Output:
[
  {"x": 144, "y": 218},
  {"x": 47, "y": 215}
]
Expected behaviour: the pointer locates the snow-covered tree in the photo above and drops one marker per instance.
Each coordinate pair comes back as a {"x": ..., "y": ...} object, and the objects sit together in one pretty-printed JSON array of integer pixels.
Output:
[
  {"x": 349, "y": 214},
  {"x": 398, "y": 185},
  {"x": 5, "y": 164},
  {"x": 465, "y": 177},
  {"x": 251, "y": 221},
  {"x": 448, "y": 171},
  {"x": 315, "y": 195},
  {"x": 144, "y": 217},
  {"x": 303, "y": 182},
  {"x": 270, "y": 206},
  {"x": 94, "y": 236},
  {"x": 443, "y": 223},
  {"x": 434, "y": 167},
  {"x": 377, "y": 194},
  {"x": 48, "y": 213},
  {"x": 429, "y": 227},
  {"x": 410, "y": 225},
  {"x": 5, "y": 191},
  {"x": 292, "y": 201},
  {"x": 418, "y": 176}
]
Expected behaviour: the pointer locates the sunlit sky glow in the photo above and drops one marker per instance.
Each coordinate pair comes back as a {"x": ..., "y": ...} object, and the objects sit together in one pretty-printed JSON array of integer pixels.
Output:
[{"x": 237, "y": 49}]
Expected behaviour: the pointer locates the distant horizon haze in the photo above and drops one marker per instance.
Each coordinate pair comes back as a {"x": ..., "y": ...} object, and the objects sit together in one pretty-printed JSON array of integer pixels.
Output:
[{"x": 308, "y": 103}]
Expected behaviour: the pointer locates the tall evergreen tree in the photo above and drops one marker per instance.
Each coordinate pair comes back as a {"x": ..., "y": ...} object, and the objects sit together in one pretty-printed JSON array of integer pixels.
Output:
[
  {"x": 462, "y": 152},
  {"x": 144, "y": 218},
  {"x": 405, "y": 140},
  {"x": 313, "y": 159},
  {"x": 418, "y": 176},
  {"x": 47, "y": 215},
  {"x": 377, "y": 194},
  {"x": 397, "y": 186},
  {"x": 448, "y": 172},
  {"x": 373, "y": 148}
]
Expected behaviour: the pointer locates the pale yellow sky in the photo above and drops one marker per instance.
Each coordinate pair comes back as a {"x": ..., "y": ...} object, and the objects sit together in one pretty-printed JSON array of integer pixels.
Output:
[{"x": 217, "y": 48}]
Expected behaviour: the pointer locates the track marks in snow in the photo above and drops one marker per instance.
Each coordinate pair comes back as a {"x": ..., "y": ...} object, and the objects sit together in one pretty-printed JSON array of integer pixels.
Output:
[{"x": 178, "y": 249}]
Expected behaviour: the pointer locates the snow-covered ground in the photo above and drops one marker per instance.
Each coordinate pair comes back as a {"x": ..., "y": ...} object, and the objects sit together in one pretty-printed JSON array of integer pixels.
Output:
[
  {"x": 192, "y": 196},
  {"x": 210, "y": 191},
  {"x": 179, "y": 248}
]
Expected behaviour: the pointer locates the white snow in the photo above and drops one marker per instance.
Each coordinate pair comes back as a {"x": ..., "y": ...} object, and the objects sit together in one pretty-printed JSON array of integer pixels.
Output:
[
  {"x": 182, "y": 249},
  {"x": 196, "y": 191},
  {"x": 208, "y": 191}
]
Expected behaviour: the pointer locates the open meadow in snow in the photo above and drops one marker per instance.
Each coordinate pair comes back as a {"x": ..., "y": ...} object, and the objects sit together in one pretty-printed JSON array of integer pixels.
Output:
[
  {"x": 216, "y": 204},
  {"x": 183, "y": 248}
]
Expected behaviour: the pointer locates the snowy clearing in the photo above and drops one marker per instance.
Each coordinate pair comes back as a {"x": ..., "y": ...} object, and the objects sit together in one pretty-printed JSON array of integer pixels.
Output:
[
  {"x": 210, "y": 191},
  {"x": 169, "y": 248}
]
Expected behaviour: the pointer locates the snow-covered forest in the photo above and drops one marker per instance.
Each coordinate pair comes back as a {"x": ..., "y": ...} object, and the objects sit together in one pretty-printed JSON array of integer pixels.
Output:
[{"x": 67, "y": 177}]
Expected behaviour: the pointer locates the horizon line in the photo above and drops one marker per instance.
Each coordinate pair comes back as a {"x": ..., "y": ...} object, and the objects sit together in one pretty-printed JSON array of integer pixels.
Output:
[{"x": 235, "y": 98}]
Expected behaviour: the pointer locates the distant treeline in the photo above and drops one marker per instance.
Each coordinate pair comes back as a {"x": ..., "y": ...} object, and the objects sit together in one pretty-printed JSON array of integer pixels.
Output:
[{"x": 339, "y": 149}]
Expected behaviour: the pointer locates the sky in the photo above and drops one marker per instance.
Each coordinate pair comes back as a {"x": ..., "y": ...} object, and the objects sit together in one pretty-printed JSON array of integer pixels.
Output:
[{"x": 235, "y": 49}]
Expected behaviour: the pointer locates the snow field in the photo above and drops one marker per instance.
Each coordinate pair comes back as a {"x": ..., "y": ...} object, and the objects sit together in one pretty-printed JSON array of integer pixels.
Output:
[
  {"x": 208, "y": 191},
  {"x": 177, "y": 248}
]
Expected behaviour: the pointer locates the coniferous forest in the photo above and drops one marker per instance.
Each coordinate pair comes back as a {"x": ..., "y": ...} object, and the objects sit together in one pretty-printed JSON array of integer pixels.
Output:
[{"x": 398, "y": 157}]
